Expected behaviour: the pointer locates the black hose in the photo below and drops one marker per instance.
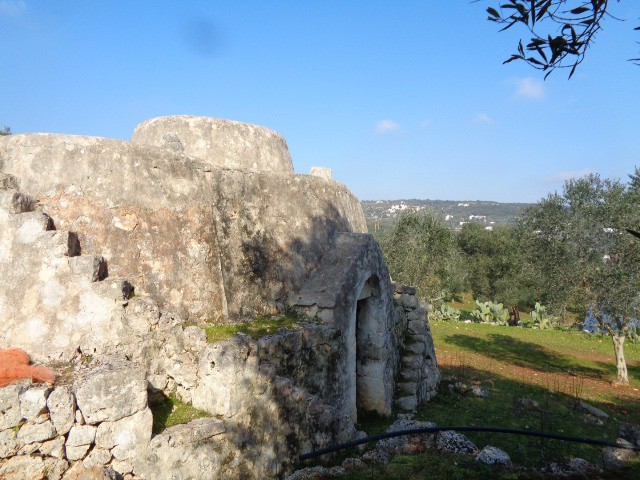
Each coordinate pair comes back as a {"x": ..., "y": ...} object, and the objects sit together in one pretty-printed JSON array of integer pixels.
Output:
[{"x": 414, "y": 431}]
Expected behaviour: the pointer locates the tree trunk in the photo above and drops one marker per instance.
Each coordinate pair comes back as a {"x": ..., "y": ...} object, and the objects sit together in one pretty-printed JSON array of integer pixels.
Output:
[{"x": 621, "y": 364}]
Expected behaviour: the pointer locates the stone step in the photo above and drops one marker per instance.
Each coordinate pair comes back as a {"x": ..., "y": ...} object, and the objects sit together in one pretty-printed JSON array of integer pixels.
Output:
[{"x": 92, "y": 267}]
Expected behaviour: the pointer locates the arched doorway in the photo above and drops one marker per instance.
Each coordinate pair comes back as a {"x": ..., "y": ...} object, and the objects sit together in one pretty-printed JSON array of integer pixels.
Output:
[{"x": 366, "y": 363}]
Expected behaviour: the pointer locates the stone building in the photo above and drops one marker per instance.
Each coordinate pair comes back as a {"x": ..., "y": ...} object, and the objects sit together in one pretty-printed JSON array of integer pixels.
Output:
[{"x": 115, "y": 257}]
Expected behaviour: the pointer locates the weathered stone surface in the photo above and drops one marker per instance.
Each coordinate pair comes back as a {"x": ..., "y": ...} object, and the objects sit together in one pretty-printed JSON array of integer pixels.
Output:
[
  {"x": 55, "y": 468},
  {"x": 616, "y": 457},
  {"x": 494, "y": 456},
  {"x": 204, "y": 460},
  {"x": 61, "y": 405},
  {"x": 194, "y": 431},
  {"x": 81, "y": 435},
  {"x": 593, "y": 410},
  {"x": 10, "y": 415},
  {"x": 76, "y": 453},
  {"x": 376, "y": 457},
  {"x": 8, "y": 443},
  {"x": 22, "y": 467},
  {"x": 218, "y": 142},
  {"x": 127, "y": 437},
  {"x": 111, "y": 391},
  {"x": 321, "y": 172},
  {"x": 211, "y": 242},
  {"x": 79, "y": 472},
  {"x": 53, "y": 448},
  {"x": 232, "y": 359},
  {"x": 408, "y": 444},
  {"x": 407, "y": 403},
  {"x": 33, "y": 402},
  {"x": 36, "y": 432},
  {"x": 98, "y": 457},
  {"x": 454, "y": 442}
]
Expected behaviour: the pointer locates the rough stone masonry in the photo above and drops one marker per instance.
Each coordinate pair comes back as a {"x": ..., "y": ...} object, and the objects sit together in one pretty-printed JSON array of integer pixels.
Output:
[{"x": 114, "y": 255}]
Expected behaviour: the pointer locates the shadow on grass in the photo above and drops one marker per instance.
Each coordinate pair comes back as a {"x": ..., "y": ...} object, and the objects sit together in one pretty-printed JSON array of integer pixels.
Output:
[{"x": 527, "y": 354}]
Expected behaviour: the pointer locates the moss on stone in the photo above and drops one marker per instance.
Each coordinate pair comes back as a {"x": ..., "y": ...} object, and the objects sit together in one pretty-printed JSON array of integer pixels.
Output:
[
  {"x": 261, "y": 326},
  {"x": 172, "y": 411}
]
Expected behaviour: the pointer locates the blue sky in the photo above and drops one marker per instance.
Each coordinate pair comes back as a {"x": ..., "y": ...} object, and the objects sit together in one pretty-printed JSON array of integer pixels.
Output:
[{"x": 402, "y": 99}]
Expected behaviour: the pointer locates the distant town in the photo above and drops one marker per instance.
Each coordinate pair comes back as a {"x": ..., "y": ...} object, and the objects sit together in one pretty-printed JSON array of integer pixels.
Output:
[{"x": 382, "y": 213}]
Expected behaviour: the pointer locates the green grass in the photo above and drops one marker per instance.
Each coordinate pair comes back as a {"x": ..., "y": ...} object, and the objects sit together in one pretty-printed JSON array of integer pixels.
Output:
[
  {"x": 261, "y": 326},
  {"x": 507, "y": 349},
  {"x": 172, "y": 411}
]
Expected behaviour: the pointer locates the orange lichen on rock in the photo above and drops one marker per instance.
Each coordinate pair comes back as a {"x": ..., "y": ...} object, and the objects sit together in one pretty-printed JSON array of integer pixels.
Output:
[{"x": 14, "y": 365}]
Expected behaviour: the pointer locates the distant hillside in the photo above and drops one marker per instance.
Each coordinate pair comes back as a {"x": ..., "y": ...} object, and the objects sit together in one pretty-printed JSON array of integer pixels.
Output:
[{"x": 382, "y": 213}]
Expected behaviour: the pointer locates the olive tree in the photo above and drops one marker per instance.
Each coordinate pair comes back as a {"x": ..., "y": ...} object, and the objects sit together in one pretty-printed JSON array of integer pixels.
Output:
[
  {"x": 420, "y": 250},
  {"x": 584, "y": 257},
  {"x": 560, "y": 31}
]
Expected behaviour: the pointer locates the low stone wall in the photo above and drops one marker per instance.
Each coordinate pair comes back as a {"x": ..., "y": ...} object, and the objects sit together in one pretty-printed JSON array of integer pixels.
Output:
[
  {"x": 100, "y": 421},
  {"x": 419, "y": 375}
]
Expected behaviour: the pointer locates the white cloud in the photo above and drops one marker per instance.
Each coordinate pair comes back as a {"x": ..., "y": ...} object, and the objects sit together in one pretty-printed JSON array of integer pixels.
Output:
[
  {"x": 386, "y": 126},
  {"x": 12, "y": 8},
  {"x": 529, "y": 88},
  {"x": 562, "y": 177},
  {"x": 426, "y": 123},
  {"x": 482, "y": 118}
]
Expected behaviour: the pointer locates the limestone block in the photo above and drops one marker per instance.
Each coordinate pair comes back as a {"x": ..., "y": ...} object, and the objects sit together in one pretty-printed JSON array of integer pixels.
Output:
[
  {"x": 616, "y": 457},
  {"x": 53, "y": 448},
  {"x": 195, "y": 337},
  {"x": 454, "y": 442},
  {"x": 407, "y": 403},
  {"x": 417, "y": 327},
  {"x": 494, "y": 456},
  {"x": 61, "y": 405},
  {"x": 414, "y": 362},
  {"x": 10, "y": 415},
  {"x": 36, "y": 432},
  {"x": 33, "y": 402},
  {"x": 123, "y": 468},
  {"x": 81, "y": 435},
  {"x": 404, "y": 289},
  {"x": 404, "y": 444},
  {"x": 8, "y": 182},
  {"x": 55, "y": 468},
  {"x": 194, "y": 431},
  {"x": 31, "y": 225},
  {"x": 321, "y": 172},
  {"x": 98, "y": 457},
  {"x": 8, "y": 443},
  {"x": 419, "y": 314},
  {"x": 79, "y": 472},
  {"x": 416, "y": 347},
  {"x": 16, "y": 202},
  {"x": 91, "y": 267},
  {"x": 77, "y": 453},
  {"x": 192, "y": 460},
  {"x": 218, "y": 142},
  {"x": 127, "y": 437},
  {"x": 227, "y": 373},
  {"x": 409, "y": 301},
  {"x": 22, "y": 467},
  {"x": 111, "y": 391}
]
